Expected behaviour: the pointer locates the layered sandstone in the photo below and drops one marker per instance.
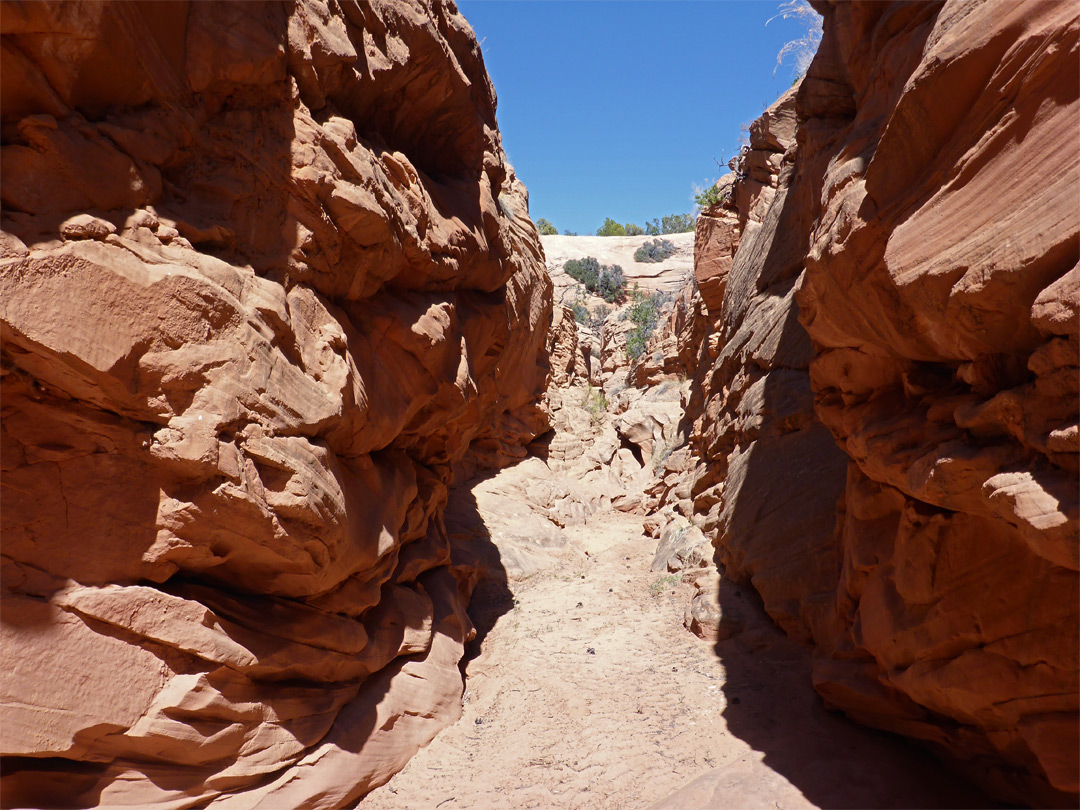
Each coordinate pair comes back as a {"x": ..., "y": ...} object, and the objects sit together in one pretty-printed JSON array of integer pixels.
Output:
[
  {"x": 771, "y": 471},
  {"x": 941, "y": 293},
  {"x": 268, "y": 280},
  {"x": 911, "y": 290}
]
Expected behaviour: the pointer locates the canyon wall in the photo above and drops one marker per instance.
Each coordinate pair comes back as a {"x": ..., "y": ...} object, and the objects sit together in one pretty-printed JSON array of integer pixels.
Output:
[
  {"x": 886, "y": 401},
  {"x": 268, "y": 284},
  {"x": 771, "y": 471}
]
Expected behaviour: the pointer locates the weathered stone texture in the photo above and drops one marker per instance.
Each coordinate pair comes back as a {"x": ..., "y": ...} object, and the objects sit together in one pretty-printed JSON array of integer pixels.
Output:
[
  {"x": 267, "y": 280},
  {"x": 937, "y": 293},
  {"x": 911, "y": 288}
]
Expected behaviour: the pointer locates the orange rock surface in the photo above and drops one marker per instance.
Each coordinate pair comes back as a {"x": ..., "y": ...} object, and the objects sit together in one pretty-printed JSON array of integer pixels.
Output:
[
  {"x": 941, "y": 293},
  {"x": 770, "y": 471},
  {"x": 267, "y": 282},
  {"x": 911, "y": 289}
]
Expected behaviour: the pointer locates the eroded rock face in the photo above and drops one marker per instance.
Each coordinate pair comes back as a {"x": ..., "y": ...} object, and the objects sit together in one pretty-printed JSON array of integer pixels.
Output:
[
  {"x": 268, "y": 281},
  {"x": 941, "y": 293},
  {"x": 771, "y": 471},
  {"x": 911, "y": 289}
]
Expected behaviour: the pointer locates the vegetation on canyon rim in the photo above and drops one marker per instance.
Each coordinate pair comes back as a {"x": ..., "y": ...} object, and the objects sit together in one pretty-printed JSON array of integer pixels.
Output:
[
  {"x": 711, "y": 196},
  {"x": 606, "y": 281},
  {"x": 672, "y": 223},
  {"x": 655, "y": 250}
]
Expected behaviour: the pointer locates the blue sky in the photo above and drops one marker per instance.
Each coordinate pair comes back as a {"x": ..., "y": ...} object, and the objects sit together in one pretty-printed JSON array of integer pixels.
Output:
[{"x": 616, "y": 108}]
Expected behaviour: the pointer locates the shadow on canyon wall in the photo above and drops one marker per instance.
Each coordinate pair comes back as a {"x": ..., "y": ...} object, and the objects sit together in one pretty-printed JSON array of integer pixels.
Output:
[
  {"x": 834, "y": 762},
  {"x": 783, "y": 483},
  {"x": 477, "y": 561}
]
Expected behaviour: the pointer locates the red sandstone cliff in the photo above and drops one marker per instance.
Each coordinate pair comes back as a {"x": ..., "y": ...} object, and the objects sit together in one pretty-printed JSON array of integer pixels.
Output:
[
  {"x": 267, "y": 278},
  {"x": 911, "y": 290}
]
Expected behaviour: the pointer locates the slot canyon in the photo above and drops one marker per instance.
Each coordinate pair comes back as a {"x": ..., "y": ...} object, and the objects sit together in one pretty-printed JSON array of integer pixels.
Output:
[{"x": 317, "y": 493}]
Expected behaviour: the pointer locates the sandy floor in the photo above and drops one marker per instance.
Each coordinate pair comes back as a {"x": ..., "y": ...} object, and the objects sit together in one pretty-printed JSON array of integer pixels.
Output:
[{"x": 587, "y": 692}]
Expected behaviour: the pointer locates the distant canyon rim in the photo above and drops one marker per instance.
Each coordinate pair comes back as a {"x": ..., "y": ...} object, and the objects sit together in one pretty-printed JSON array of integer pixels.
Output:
[{"x": 325, "y": 485}]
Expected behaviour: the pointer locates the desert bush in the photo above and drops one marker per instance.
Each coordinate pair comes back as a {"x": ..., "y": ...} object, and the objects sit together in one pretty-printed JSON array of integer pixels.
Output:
[
  {"x": 655, "y": 250},
  {"x": 586, "y": 270},
  {"x": 606, "y": 281},
  {"x": 546, "y": 228},
  {"x": 633, "y": 230},
  {"x": 581, "y": 313},
  {"x": 611, "y": 228},
  {"x": 612, "y": 284},
  {"x": 663, "y": 583},
  {"x": 635, "y": 343},
  {"x": 644, "y": 313}
]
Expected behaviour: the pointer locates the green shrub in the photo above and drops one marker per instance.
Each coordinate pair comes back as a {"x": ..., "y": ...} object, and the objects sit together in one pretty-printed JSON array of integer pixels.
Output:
[
  {"x": 644, "y": 313},
  {"x": 633, "y": 230},
  {"x": 654, "y": 251},
  {"x": 607, "y": 282},
  {"x": 546, "y": 228},
  {"x": 652, "y": 227},
  {"x": 581, "y": 312},
  {"x": 664, "y": 583},
  {"x": 710, "y": 197},
  {"x": 611, "y": 228},
  {"x": 636, "y": 342},
  {"x": 587, "y": 271}
]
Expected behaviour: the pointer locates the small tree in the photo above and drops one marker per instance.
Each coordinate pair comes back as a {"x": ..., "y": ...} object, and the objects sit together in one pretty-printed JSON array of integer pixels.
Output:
[
  {"x": 611, "y": 228},
  {"x": 677, "y": 223},
  {"x": 652, "y": 227},
  {"x": 633, "y": 230},
  {"x": 546, "y": 228},
  {"x": 706, "y": 198}
]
